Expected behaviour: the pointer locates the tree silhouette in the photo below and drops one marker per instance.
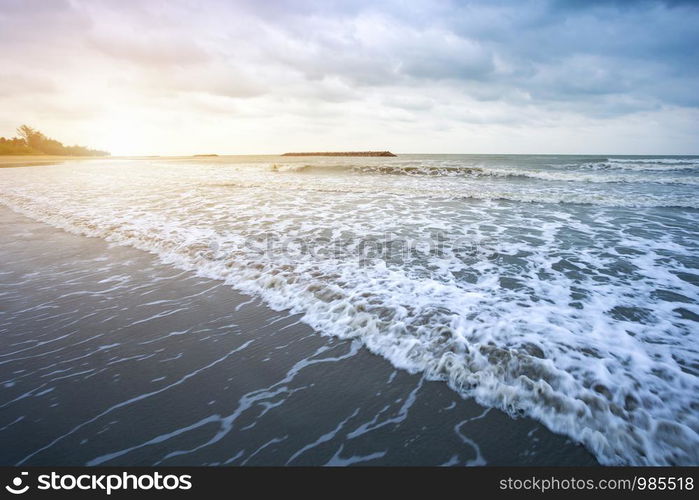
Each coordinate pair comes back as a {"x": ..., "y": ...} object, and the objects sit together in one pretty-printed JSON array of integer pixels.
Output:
[{"x": 31, "y": 141}]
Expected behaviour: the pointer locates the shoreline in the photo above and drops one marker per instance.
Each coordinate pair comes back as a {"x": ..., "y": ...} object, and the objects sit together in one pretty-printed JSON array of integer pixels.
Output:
[
  {"x": 139, "y": 325},
  {"x": 14, "y": 161}
]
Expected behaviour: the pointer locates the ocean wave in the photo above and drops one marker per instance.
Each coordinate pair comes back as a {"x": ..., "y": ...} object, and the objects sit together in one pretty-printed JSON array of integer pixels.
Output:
[
  {"x": 562, "y": 328},
  {"x": 417, "y": 170},
  {"x": 477, "y": 192},
  {"x": 688, "y": 165},
  {"x": 577, "y": 176},
  {"x": 294, "y": 167},
  {"x": 660, "y": 161},
  {"x": 571, "y": 174}
]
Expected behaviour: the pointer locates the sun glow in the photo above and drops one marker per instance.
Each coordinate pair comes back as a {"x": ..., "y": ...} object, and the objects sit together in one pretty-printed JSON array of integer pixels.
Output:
[{"x": 122, "y": 135}]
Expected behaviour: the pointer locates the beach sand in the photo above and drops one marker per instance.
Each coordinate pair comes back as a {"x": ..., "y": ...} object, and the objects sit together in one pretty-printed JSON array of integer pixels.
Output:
[
  {"x": 112, "y": 358},
  {"x": 10, "y": 161},
  {"x": 14, "y": 161}
]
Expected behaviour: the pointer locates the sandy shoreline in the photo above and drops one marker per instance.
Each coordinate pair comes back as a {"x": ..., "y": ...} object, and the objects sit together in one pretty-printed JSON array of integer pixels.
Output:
[
  {"x": 9, "y": 161},
  {"x": 115, "y": 359}
]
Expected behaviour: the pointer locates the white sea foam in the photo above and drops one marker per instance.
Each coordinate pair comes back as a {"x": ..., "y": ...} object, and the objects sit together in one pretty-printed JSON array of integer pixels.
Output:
[
  {"x": 582, "y": 176},
  {"x": 662, "y": 161},
  {"x": 687, "y": 165},
  {"x": 629, "y": 172},
  {"x": 580, "y": 316}
]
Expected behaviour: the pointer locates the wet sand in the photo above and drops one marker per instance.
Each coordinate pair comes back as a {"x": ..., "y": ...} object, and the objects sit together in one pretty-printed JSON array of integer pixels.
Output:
[
  {"x": 12, "y": 161},
  {"x": 108, "y": 357}
]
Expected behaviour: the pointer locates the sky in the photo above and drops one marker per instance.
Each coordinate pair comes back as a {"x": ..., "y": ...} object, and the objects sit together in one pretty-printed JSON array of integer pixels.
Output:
[{"x": 435, "y": 76}]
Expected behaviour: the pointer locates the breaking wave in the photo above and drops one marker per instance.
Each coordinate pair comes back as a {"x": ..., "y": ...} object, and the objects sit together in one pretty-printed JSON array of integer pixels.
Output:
[
  {"x": 680, "y": 172},
  {"x": 580, "y": 317}
]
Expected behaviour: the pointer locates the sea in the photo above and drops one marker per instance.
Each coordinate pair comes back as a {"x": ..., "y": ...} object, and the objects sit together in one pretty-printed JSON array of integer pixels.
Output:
[{"x": 556, "y": 292}]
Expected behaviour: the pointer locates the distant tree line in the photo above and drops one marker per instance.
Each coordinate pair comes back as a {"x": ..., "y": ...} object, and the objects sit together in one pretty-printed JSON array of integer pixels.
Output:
[{"x": 33, "y": 142}]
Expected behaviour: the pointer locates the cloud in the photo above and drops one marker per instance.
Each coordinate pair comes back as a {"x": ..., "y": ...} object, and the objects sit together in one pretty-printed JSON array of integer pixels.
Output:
[{"x": 434, "y": 65}]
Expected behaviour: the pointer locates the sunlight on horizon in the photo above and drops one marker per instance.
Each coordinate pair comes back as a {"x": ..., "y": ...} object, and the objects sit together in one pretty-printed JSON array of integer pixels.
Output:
[{"x": 245, "y": 78}]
